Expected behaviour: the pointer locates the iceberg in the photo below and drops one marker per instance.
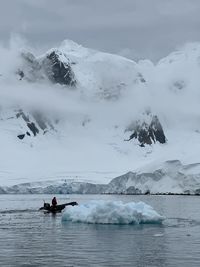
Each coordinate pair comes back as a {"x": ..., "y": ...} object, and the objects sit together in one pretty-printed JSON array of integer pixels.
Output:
[{"x": 112, "y": 212}]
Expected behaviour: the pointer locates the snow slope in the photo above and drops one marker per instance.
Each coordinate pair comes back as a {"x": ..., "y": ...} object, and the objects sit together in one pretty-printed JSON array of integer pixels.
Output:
[{"x": 89, "y": 120}]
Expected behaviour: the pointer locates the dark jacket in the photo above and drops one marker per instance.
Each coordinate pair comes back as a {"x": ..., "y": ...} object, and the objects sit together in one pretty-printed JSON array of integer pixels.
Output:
[{"x": 54, "y": 202}]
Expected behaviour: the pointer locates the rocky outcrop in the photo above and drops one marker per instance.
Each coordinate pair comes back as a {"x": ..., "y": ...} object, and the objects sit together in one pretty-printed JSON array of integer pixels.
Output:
[
  {"x": 146, "y": 132},
  {"x": 54, "y": 66},
  {"x": 35, "y": 122},
  {"x": 21, "y": 136},
  {"x": 58, "y": 71}
]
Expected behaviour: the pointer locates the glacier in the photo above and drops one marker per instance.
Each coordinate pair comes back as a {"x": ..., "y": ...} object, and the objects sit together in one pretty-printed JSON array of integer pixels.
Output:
[
  {"x": 85, "y": 117},
  {"x": 171, "y": 177}
]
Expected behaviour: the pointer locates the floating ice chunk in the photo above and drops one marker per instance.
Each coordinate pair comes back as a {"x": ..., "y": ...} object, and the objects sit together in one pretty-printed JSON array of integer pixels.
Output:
[
  {"x": 158, "y": 235},
  {"x": 112, "y": 212}
]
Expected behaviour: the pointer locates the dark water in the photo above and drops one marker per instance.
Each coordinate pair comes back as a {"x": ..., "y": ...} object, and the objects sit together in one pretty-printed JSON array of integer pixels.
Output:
[{"x": 31, "y": 238}]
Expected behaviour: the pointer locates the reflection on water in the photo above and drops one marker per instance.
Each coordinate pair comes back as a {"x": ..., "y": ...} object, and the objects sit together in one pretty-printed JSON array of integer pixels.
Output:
[{"x": 32, "y": 238}]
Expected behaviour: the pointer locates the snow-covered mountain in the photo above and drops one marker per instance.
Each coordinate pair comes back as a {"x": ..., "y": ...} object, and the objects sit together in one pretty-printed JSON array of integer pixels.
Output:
[{"x": 76, "y": 113}]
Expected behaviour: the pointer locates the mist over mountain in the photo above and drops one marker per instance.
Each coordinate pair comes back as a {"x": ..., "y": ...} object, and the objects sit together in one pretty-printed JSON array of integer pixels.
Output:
[{"x": 78, "y": 113}]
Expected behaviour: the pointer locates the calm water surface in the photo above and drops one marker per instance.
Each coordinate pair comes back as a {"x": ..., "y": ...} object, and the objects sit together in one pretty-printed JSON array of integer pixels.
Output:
[{"x": 31, "y": 238}]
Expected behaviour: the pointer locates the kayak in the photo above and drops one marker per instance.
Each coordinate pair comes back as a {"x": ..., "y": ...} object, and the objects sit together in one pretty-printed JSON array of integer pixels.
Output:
[{"x": 58, "y": 208}]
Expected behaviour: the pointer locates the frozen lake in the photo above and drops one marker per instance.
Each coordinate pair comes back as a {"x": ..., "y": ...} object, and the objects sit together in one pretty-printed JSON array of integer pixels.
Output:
[{"x": 31, "y": 238}]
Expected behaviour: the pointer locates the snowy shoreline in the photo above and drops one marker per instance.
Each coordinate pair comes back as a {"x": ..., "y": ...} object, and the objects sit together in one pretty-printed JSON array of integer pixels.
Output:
[
  {"x": 169, "y": 178},
  {"x": 124, "y": 194}
]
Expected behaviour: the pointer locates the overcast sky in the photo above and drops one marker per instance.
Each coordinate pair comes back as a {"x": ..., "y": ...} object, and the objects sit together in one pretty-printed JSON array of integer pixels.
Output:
[{"x": 134, "y": 28}]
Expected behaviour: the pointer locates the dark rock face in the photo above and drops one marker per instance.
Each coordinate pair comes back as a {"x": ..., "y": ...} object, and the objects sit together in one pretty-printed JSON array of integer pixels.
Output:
[
  {"x": 40, "y": 120},
  {"x": 57, "y": 71},
  {"x": 148, "y": 134},
  {"x": 21, "y": 136},
  {"x": 21, "y": 74},
  {"x": 20, "y": 113},
  {"x": 30, "y": 125},
  {"x": 36, "y": 123},
  {"x": 55, "y": 66},
  {"x": 33, "y": 128}
]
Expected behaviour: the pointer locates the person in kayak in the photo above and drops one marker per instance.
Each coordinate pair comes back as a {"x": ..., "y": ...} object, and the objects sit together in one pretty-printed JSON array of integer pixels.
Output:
[{"x": 54, "y": 202}]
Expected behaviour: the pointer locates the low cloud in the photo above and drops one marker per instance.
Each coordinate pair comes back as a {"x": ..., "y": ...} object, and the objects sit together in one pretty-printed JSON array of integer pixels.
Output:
[{"x": 151, "y": 28}]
